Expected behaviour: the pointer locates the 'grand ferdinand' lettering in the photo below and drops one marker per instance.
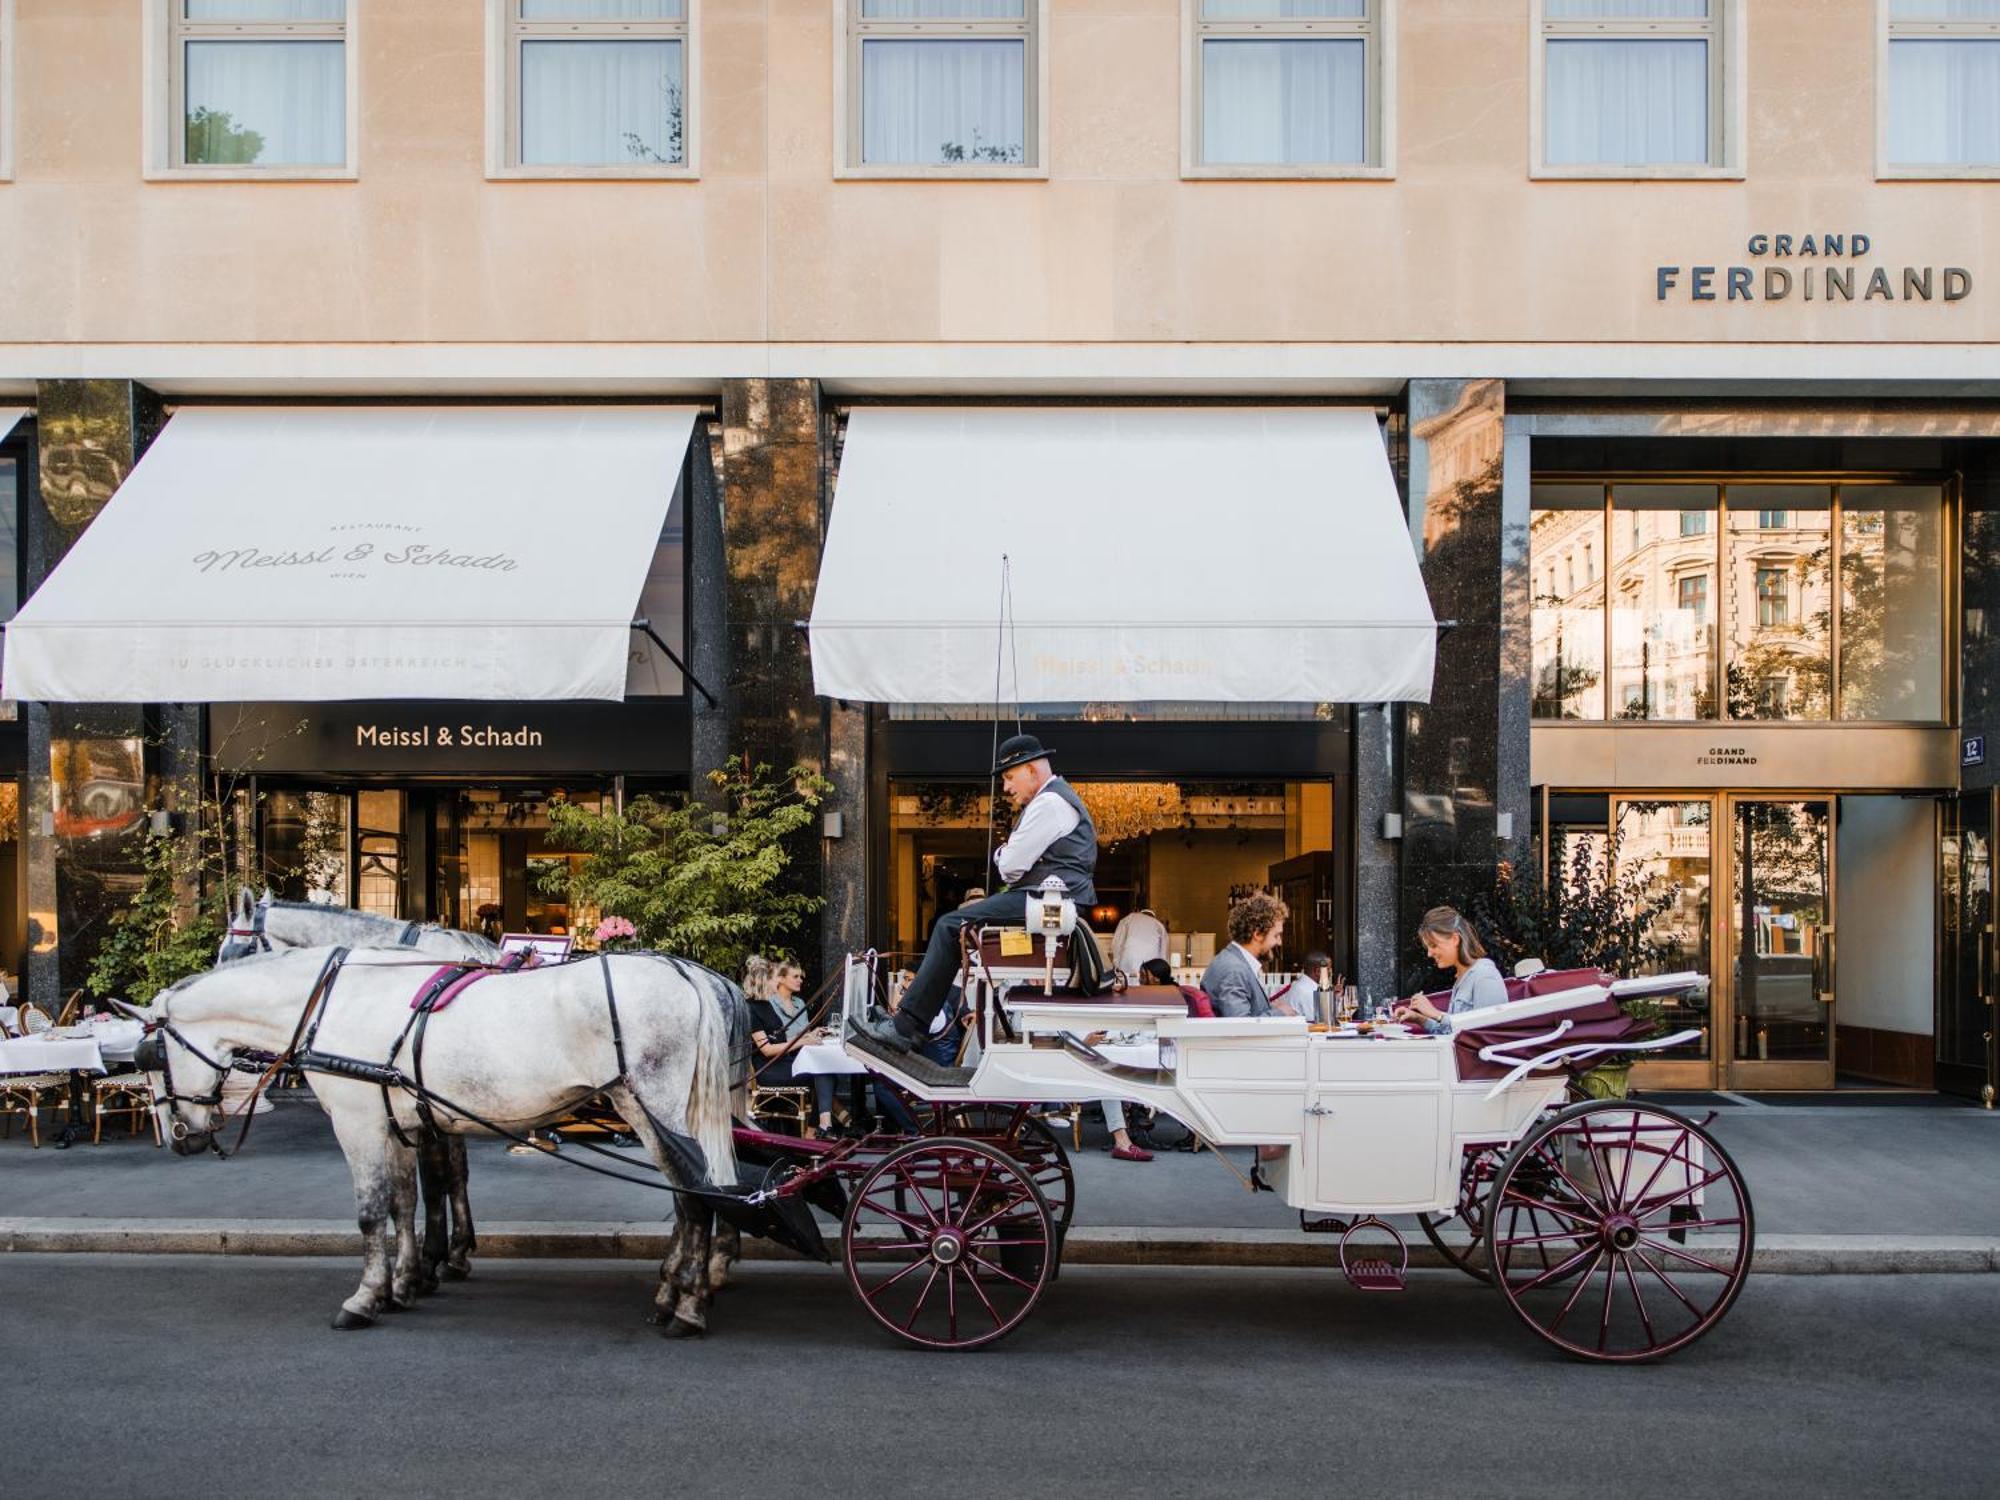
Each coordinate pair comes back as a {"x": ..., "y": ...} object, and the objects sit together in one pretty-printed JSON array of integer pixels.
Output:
[{"x": 1811, "y": 275}]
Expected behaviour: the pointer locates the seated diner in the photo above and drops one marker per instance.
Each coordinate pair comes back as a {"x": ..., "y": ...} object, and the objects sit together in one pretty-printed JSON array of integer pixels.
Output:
[{"x": 1476, "y": 982}]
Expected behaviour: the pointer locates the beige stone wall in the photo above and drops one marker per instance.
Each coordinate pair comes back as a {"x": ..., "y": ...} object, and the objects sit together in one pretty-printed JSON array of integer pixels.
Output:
[{"x": 1462, "y": 245}]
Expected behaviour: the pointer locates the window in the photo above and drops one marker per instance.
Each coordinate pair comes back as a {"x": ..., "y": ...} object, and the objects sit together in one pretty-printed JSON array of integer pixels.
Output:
[
  {"x": 1636, "y": 88},
  {"x": 1662, "y": 652},
  {"x": 1892, "y": 602},
  {"x": 1567, "y": 628},
  {"x": 593, "y": 88},
  {"x": 1691, "y": 597},
  {"x": 1694, "y": 523},
  {"x": 951, "y": 87},
  {"x": 1287, "y": 88},
  {"x": 1939, "y": 88},
  {"x": 1773, "y": 520},
  {"x": 1772, "y": 606},
  {"x": 10, "y": 535},
  {"x": 254, "y": 88},
  {"x": 1589, "y": 565}
]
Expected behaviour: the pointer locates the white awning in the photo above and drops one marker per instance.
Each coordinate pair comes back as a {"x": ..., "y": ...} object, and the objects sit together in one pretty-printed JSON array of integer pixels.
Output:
[
  {"x": 319, "y": 553},
  {"x": 1218, "y": 554}
]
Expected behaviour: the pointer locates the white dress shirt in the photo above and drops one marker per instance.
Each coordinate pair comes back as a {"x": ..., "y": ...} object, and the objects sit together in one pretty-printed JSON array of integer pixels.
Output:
[
  {"x": 1140, "y": 936},
  {"x": 1045, "y": 819}
]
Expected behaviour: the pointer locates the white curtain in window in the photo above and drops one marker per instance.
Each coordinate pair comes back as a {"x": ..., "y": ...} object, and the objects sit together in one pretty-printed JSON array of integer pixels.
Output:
[
  {"x": 1264, "y": 10},
  {"x": 942, "y": 10},
  {"x": 1944, "y": 10},
  {"x": 603, "y": 10},
  {"x": 937, "y": 103},
  {"x": 267, "y": 103},
  {"x": 1944, "y": 103},
  {"x": 1284, "y": 102},
  {"x": 266, "y": 10},
  {"x": 1625, "y": 10},
  {"x": 1627, "y": 103},
  {"x": 601, "y": 104}
]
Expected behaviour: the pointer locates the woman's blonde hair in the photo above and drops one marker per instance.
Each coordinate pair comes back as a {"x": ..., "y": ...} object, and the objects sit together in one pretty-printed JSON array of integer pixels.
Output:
[
  {"x": 1445, "y": 922},
  {"x": 780, "y": 968},
  {"x": 757, "y": 977}
]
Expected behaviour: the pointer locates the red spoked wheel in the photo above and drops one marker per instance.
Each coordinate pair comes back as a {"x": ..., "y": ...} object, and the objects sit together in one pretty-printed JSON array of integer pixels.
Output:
[
  {"x": 1030, "y": 1142},
  {"x": 949, "y": 1244},
  {"x": 1460, "y": 1236},
  {"x": 1619, "y": 1231}
]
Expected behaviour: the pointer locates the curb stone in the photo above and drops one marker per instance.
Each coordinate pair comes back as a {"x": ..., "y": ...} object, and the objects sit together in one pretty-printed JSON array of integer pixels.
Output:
[{"x": 1777, "y": 1255}]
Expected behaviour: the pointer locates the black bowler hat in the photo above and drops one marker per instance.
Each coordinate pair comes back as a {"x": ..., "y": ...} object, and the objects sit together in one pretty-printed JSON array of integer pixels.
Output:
[{"x": 1018, "y": 751}]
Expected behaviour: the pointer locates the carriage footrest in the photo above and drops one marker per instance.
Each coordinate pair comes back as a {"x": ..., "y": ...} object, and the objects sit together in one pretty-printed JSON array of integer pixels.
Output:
[
  {"x": 911, "y": 1064},
  {"x": 1374, "y": 1276}
]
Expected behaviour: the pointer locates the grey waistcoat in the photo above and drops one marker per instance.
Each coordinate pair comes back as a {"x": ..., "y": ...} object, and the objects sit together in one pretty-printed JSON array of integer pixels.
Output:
[{"x": 1073, "y": 857}]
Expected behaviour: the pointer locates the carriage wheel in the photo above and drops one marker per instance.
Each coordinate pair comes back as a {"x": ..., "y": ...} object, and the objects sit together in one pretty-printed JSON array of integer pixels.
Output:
[
  {"x": 1475, "y": 1176},
  {"x": 1619, "y": 1231},
  {"x": 1030, "y": 1142},
  {"x": 949, "y": 1244}
]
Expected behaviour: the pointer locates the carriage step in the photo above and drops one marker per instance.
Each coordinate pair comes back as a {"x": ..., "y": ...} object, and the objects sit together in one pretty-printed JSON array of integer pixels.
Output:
[
  {"x": 911, "y": 1064},
  {"x": 1374, "y": 1276}
]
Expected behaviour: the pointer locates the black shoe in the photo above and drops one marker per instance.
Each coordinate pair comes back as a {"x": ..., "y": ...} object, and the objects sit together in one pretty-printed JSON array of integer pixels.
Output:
[{"x": 885, "y": 1031}]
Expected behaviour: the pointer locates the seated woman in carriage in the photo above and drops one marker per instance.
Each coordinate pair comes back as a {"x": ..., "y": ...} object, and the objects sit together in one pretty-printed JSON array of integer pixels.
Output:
[{"x": 1476, "y": 982}]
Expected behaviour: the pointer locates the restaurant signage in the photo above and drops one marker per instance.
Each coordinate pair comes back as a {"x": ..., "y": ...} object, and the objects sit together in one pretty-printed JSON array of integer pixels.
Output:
[
  {"x": 647, "y": 736},
  {"x": 1726, "y": 755},
  {"x": 1811, "y": 267}
]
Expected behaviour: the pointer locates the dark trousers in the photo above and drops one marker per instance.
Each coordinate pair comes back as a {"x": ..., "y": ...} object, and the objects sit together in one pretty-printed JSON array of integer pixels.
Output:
[{"x": 939, "y": 970}]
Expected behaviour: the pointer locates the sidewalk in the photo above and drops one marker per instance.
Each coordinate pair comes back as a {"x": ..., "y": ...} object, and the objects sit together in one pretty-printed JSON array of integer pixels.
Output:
[{"x": 1859, "y": 1186}]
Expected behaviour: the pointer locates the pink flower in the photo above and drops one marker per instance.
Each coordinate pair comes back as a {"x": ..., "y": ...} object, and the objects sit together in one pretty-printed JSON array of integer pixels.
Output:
[{"x": 615, "y": 929}]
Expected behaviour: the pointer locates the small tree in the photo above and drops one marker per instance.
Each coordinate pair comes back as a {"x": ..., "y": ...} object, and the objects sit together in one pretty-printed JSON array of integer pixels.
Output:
[
  {"x": 698, "y": 878},
  {"x": 157, "y": 939},
  {"x": 1587, "y": 916}
]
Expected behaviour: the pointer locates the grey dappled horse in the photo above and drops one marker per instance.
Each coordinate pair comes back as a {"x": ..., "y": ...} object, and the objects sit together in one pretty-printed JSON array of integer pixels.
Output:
[
  {"x": 265, "y": 924},
  {"x": 526, "y": 1048}
]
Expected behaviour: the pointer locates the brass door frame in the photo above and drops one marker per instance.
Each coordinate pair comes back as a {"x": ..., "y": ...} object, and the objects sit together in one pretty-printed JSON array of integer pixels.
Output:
[
  {"x": 1721, "y": 1069},
  {"x": 1750, "y": 1073}
]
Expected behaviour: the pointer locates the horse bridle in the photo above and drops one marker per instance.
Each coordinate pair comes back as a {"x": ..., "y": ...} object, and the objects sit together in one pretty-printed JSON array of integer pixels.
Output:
[
  {"x": 255, "y": 931},
  {"x": 153, "y": 1056}
]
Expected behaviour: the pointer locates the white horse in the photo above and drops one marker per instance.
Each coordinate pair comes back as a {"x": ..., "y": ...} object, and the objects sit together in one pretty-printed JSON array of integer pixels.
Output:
[
  {"x": 515, "y": 1051},
  {"x": 265, "y": 924}
]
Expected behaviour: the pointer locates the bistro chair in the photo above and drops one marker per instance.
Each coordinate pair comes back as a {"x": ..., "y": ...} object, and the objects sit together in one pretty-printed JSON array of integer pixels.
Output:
[
  {"x": 786, "y": 1104},
  {"x": 26, "y": 1094},
  {"x": 35, "y": 1020},
  {"x": 129, "y": 1094}
]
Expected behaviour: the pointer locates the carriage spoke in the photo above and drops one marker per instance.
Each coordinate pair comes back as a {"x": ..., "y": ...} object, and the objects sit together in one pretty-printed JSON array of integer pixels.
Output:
[
  {"x": 1001, "y": 1271},
  {"x": 1581, "y": 1282},
  {"x": 1695, "y": 1224},
  {"x": 951, "y": 1302},
  {"x": 895, "y": 1214},
  {"x": 1676, "y": 1152},
  {"x": 1001, "y": 1212},
  {"x": 922, "y": 1297},
  {"x": 1549, "y": 1276},
  {"x": 1631, "y": 1150},
  {"x": 972, "y": 1196},
  {"x": 1645, "y": 1318},
  {"x": 1589, "y": 1221},
  {"x": 986, "y": 1301},
  {"x": 917, "y": 1192},
  {"x": 1694, "y": 1262},
  {"x": 1668, "y": 1282},
  {"x": 1693, "y": 1187},
  {"x": 1604, "y": 1314},
  {"x": 889, "y": 1281},
  {"x": 1598, "y": 1166},
  {"x": 1554, "y": 1160}
]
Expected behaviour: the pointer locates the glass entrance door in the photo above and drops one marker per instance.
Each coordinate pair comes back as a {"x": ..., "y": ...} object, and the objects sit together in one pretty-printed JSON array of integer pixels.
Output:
[
  {"x": 1778, "y": 1017},
  {"x": 1968, "y": 1057}
]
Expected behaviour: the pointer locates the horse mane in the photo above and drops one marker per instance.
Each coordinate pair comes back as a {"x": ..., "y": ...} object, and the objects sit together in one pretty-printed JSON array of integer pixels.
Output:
[{"x": 485, "y": 948}]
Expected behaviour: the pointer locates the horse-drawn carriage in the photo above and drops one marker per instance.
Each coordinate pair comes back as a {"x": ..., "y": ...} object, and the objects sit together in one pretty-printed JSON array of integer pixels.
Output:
[{"x": 1616, "y": 1230}]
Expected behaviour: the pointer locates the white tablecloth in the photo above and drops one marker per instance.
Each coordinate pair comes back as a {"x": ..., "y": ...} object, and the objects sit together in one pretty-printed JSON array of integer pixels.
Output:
[{"x": 50, "y": 1054}]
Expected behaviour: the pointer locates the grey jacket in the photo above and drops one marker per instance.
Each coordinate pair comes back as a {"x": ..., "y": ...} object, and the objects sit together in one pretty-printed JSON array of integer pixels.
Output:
[{"x": 1234, "y": 985}]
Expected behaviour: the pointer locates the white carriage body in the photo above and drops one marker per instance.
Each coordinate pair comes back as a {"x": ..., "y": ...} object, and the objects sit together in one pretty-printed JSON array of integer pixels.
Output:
[{"x": 1369, "y": 1125}]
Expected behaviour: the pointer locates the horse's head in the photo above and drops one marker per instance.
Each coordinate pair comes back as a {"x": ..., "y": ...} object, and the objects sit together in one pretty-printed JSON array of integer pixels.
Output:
[
  {"x": 246, "y": 928},
  {"x": 186, "y": 1077}
]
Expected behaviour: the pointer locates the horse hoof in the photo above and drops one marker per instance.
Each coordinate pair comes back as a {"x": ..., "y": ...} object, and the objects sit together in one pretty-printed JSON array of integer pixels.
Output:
[
  {"x": 347, "y": 1321},
  {"x": 427, "y": 1287},
  {"x": 456, "y": 1273},
  {"x": 680, "y": 1328}
]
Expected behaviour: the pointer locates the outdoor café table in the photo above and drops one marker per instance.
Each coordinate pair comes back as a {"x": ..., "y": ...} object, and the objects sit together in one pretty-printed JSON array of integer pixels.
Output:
[{"x": 75, "y": 1050}]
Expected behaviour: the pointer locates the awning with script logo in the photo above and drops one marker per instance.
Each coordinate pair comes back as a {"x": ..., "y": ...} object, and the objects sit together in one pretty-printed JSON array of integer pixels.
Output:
[
  {"x": 310, "y": 554},
  {"x": 1207, "y": 554}
]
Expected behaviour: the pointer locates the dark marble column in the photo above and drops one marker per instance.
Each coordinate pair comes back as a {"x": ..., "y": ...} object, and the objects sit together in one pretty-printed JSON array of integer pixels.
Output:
[
  {"x": 708, "y": 589},
  {"x": 83, "y": 848},
  {"x": 1979, "y": 617},
  {"x": 773, "y": 505},
  {"x": 1465, "y": 753}
]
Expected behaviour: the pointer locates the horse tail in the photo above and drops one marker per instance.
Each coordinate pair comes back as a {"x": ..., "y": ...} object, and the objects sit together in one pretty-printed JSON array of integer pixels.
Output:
[{"x": 708, "y": 1094}]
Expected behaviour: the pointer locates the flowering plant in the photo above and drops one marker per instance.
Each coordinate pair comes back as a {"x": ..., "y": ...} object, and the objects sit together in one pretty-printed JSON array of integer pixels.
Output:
[{"x": 613, "y": 931}]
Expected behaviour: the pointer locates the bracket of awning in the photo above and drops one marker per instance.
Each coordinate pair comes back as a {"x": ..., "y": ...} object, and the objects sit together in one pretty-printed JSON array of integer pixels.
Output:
[{"x": 646, "y": 625}]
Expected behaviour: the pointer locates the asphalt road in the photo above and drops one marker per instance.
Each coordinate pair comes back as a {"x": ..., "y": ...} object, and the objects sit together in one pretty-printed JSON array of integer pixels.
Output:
[{"x": 204, "y": 1376}]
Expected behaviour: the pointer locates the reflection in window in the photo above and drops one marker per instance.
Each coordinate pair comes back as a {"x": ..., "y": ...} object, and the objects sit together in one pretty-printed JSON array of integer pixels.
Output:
[
  {"x": 615, "y": 96},
  {"x": 1568, "y": 622},
  {"x": 1891, "y": 604},
  {"x": 1662, "y": 646},
  {"x": 260, "y": 82},
  {"x": 1780, "y": 603},
  {"x": 1666, "y": 846}
]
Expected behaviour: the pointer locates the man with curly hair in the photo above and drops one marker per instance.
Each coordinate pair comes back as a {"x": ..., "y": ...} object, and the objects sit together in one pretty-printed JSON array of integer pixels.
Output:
[{"x": 1235, "y": 980}]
